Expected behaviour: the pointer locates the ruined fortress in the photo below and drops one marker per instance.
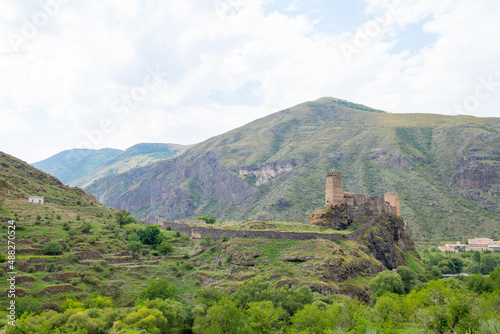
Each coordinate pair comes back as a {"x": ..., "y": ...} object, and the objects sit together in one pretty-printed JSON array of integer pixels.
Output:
[
  {"x": 334, "y": 194},
  {"x": 350, "y": 206}
]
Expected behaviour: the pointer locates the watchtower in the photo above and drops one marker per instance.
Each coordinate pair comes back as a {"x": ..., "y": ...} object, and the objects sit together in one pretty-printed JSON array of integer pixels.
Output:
[
  {"x": 393, "y": 200},
  {"x": 334, "y": 193}
]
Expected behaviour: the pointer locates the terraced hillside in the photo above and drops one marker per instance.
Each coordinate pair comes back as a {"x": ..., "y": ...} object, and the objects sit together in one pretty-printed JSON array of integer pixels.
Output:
[{"x": 92, "y": 253}]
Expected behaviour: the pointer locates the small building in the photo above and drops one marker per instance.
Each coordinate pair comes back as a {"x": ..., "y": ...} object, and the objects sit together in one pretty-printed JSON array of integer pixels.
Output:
[
  {"x": 36, "y": 199},
  {"x": 477, "y": 244}
]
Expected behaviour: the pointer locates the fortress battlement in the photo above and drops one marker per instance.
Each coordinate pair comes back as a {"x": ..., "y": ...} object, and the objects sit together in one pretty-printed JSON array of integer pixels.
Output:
[{"x": 334, "y": 194}]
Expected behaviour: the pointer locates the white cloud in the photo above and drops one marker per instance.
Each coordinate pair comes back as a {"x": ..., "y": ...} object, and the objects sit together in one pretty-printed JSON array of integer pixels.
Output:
[{"x": 91, "y": 53}]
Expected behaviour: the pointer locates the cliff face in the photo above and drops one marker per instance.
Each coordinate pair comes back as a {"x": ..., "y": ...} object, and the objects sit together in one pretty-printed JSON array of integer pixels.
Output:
[
  {"x": 445, "y": 169},
  {"x": 388, "y": 241}
]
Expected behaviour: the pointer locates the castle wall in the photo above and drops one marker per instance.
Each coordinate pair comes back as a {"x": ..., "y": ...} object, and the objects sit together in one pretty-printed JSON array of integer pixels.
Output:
[
  {"x": 334, "y": 193},
  {"x": 393, "y": 199},
  {"x": 199, "y": 232}
]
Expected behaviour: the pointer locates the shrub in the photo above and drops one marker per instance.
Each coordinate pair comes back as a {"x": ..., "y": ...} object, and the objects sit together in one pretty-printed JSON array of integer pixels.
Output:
[
  {"x": 225, "y": 237},
  {"x": 31, "y": 269},
  {"x": 151, "y": 235},
  {"x": 158, "y": 289},
  {"x": 50, "y": 267},
  {"x": 27, "y": 304},
  {"x": 52, "y": 248},
  {"x": 90, "y": 280},
  {"x": 165, "y": 248},
  {"x": 35, "y": 240}
]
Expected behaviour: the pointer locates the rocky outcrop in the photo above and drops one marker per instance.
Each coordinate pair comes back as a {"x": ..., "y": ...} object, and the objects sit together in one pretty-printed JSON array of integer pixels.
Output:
[
  {"x": 478, "y": 175},
  {"x": 388, "y": 241},
  {"x": 268, "y": 171},
  {"x": 335, "y": 216}
]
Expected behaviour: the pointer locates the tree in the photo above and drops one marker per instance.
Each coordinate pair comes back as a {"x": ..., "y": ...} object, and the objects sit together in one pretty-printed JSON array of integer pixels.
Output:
[
  {"x": 134, "y": 247},
  {"x": 147, "y": 321},
  {"x": 223, "y": 317},
  {"x": 263, "y": 317},
  {"x": 27, "y": 304},
  {"x": 157, "y": 289},
  {"x": 123, "y": 217},
  {"x": 151, "y": 235},
  {"x": 52, "y": 248},
  {"x": 165, "y": 248},
  {"x": 172, "y": 310},
  {"x": 208, "y": 220},
  {"x": 476, "y": 256},
  {"x": 408, "y": 276},
  {"x": 386, "y": 281}
]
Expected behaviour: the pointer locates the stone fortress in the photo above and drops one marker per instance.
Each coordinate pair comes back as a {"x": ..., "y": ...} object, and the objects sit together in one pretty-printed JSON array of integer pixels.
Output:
[
  {"x": 335, "y": 195},
  {"x": 349, "y": 205}
]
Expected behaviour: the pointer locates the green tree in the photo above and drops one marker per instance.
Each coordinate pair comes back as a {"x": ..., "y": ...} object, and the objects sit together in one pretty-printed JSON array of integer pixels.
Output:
[
  {"x": 165, "y": 248},
  {"x": 134, "y": 247},
  {"x": 151, "y": 235},
  {"x": 441, "y": 308},
  {"x": 172, "y": 310},
  {"x": 52, "y": 248},
  {"x": 208, "y": 220},
  {"x": 386, "y": 281},
  {"x": 161, "y": 289},
  {"x": 310, "y": 319},
  {"x": 408, "y": 277},
  {"x": 263, "y": 317},
  {"x": 223, "y": 317},
  {"x": 476, "y": 256},
  {"x": 98, "y": 301},
  {"x": 146, "y": 320},
  {"x": 27, "y": 304},
  {"x": 123, "y": 217}
]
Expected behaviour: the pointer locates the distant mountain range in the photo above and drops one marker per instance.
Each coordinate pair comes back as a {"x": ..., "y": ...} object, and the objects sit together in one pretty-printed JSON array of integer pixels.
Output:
[
  {"x": 445, "y": 169},
  {"x": 80, "y": 167}
]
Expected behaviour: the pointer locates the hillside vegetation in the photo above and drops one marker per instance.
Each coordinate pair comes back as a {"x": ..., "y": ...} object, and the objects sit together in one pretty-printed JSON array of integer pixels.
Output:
[
  {"x": 445, "y": 169},
  {"x": 83, "y": 267}
]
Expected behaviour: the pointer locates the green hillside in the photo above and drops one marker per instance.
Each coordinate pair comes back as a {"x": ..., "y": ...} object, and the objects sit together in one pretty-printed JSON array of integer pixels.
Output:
[
  {"x": 93, "y": 256},
  {"x": 136, "y": 156},
  {"x": 445, "y": 169},
  {"x": 70, "y": 165},
  {"x": 76, "y": 272}
]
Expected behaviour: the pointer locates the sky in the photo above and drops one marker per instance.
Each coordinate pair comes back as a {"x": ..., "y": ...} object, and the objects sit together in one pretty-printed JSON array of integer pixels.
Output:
[{"x": 110, "y": 73}]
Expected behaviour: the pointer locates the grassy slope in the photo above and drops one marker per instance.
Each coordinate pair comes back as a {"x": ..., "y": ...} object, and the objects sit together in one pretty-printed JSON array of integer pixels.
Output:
[
  {"x": 70, "y": 165},
  {"x": 136, "y": 156}
]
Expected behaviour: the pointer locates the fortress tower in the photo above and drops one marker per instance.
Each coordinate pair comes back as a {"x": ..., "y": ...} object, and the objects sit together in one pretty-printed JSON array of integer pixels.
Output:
[
  {"x": 334, "y": 193},
  {"x": 393, "y": 200}
]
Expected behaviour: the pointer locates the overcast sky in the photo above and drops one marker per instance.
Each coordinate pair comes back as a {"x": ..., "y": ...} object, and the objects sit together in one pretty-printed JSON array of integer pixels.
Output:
[{"x": 113, "y": 73}]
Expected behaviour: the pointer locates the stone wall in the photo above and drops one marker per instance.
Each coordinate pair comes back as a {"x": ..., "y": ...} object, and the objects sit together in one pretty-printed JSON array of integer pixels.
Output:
[{"x": 199, "y": 232}]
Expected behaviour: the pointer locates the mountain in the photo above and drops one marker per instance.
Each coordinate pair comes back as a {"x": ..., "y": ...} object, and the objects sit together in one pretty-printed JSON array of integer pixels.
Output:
[
  {"x": 445, "y": 169},
  {"x": 80, "y": 167},
  {"x": 70, "y": 165},
  {"x": 136, "y": 156}
]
